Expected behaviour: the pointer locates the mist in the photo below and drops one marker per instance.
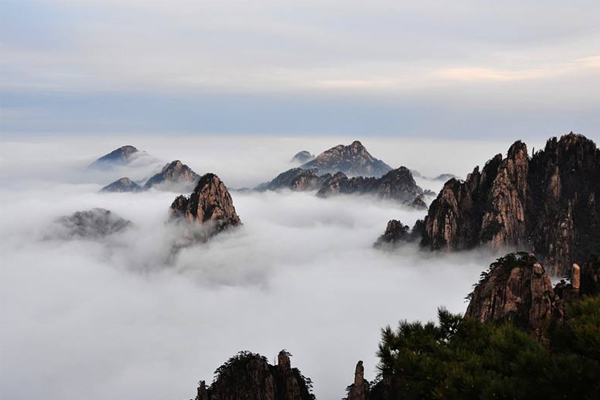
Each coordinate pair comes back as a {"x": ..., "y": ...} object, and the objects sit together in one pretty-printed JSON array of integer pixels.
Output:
[{"x": 122, "y": 317}]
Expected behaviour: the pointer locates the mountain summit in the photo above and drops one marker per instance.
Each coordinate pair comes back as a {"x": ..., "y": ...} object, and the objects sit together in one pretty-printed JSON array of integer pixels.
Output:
[
  {"x": 120, "y": 156},
  {"x": 352, "y": 160}
]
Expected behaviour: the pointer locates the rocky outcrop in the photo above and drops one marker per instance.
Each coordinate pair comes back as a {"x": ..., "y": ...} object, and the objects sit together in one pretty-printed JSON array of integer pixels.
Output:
[
  {"x": 207, "y": 211},
  {"x": 249, "y": 376},
  {"x": 122, "y": 185},
  {"x": 359, "y": 390},
  {"x": 302, "y": 157},
  {"x": 96, "y": 223},
  {"x": 353, "y": 160},
  {"x": 546, "y": 204},
  {"x": 516, "y": 288},
  {"x": 120, "y": 156},
  {"x": 174, "y": 175},
  {"x": 297, "y": 180},
  {"x": 396, "y": 185}
]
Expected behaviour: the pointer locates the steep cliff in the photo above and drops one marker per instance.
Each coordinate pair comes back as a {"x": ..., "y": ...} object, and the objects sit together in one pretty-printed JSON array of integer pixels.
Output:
[
  {"x": 546, "y": 204},
  {"x": 207, "y": 211}
]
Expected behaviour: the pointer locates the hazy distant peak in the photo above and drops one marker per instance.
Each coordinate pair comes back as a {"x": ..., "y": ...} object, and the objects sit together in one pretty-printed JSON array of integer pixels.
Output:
[
  {"x": 120, "y": 156},
  {"x": 353, "y": 160}
]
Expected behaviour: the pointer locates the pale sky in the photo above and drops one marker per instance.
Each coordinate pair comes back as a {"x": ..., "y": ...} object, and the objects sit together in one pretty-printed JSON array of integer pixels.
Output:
[{"x": 464, "y": 69}]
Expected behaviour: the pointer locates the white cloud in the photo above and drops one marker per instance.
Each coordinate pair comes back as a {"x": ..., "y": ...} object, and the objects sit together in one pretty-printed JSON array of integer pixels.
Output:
[{"x": 120, "y": 319}]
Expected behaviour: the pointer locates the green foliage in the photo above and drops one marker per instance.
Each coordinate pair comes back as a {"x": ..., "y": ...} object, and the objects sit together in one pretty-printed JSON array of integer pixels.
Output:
[{"x": 460, "y": 358}]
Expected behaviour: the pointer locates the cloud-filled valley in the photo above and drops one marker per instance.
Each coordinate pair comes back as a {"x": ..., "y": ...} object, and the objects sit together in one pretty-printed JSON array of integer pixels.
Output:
[{"x": 123, "y": 317}]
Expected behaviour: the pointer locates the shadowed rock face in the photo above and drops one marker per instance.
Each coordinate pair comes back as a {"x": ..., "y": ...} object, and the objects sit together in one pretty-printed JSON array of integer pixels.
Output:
[
  {"x": 120, "y": 156},
  {"x": 91, "y": 224},
  {"x": 174, "y": 174},
  {"x": 249, "y": 376},
  {"x": 296, "y": 179},
  {"x": 353, "y": 160},
  {"x": 397, "y": 185},
  {"x": 516, "y": 288},
  {"x": 547, "y": 204},
  {"x": 121, "y": 186},
  {"x": 209, "y": 208},
  {"x": 302, "y": 157}
]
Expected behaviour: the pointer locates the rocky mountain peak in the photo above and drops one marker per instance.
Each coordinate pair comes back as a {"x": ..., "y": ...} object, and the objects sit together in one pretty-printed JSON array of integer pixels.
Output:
[
  {"x": 302, "y": 157},
  {"x": 249, "y": 376},
  {"x": 120, "y": 156},
  {"x": 174, "y": 175},
  {"x": 515, "y": 288},
  {"x": 353, "y": 160},
  {"x": 546, "y": 204},
  {"x": 122, "y": 185},
  {"x": 96, "y": 223},
  {"x": 209, "y": 207}
]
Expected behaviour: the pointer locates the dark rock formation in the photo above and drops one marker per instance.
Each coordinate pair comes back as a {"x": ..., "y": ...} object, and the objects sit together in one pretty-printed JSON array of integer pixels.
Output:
[
  {"x": 397, "y": 185},
  {"x": 302, "y": 157},
  {"x": 353, "y": 160},
  {"x": 359, "y": 390},
  {"x": 208, "y": 211},
  {"x": 547, "y": 204},
  {"x": 589, "y": 278},
  {"x": 174, "y": 175},
  {"x": 296, "y": 179},
  {"x": 121, "y": 186},
  {"x": 516, "y": 288},
  {"x": 396, "y": 233},
  {"x": 91, "y": 224},
  {"x": 120, "y": 156},
  {"x": 249, "y": 376}
]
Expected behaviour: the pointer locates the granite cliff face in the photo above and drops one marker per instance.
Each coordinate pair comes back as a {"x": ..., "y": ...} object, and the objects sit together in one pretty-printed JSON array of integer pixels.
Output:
[
  {"x": 518, "y": 289},
  {"x": 122, "y": 185},
  {"x": 546, "y": 204},
  {"x": 249, "y": 376},
  {"x": 173, "y": 175},
  {"x": 120, "y": 156},
  {"x": 353, "y": 160},
  {"x": 397, "y": 185},
  {"x": 207, "y": 211}
]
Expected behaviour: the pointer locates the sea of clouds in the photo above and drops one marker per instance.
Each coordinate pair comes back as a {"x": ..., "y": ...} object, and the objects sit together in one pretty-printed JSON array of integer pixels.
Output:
[{"x": 125, "y": 318}]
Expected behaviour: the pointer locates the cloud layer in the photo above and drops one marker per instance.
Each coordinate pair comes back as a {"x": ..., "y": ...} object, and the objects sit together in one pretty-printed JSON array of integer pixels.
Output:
[{"x": 121, "y": 317}]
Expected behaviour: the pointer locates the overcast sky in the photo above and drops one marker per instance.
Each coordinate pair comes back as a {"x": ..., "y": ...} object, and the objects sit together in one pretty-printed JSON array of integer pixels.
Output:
[{"x": 458, "y": 69}]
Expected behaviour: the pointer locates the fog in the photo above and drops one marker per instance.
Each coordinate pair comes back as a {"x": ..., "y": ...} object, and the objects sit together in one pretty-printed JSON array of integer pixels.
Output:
[{"x": 121, "y": 318}]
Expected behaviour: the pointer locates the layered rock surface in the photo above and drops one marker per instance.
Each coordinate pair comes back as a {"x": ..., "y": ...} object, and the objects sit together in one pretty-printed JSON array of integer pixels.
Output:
[
  {"x": 547, "y": 204},
  {"x": 353, "y": 160},
  {"x": 207, "y": 211},
  {"x": 249, "y": 376}
]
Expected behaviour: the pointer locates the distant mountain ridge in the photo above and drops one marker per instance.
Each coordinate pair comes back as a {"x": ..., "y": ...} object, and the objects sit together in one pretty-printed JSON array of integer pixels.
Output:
[{"x": 174, "y": 175}]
